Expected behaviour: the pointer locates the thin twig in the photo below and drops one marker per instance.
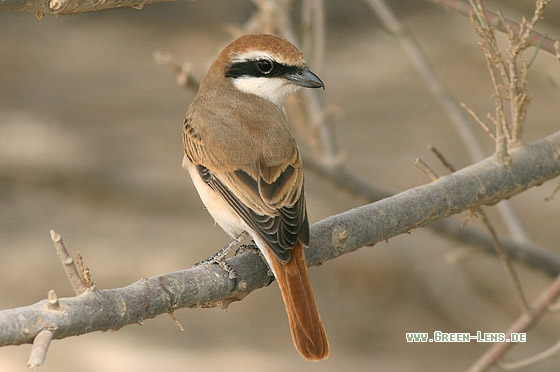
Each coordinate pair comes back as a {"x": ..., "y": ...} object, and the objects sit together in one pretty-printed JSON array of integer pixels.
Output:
[
  {"x": 442, "y": 159},
  {"x": 76, "y": 281},
  {"x": 39, "y": 349},
  {"x": 497, "y": 68},
  {"x": 480, "y": 122},
  {"x": 506, "y": 262},
  {"x": 425, "y": 168},
  {"x": 553, "y": 193},
  {"x": 532, "y": 360},
  {"x": 535, "y": 38},
  {"x": 521, "y": 324},
  {"x": 176, "y": 321},
  {"x": 508, "y": 76}
]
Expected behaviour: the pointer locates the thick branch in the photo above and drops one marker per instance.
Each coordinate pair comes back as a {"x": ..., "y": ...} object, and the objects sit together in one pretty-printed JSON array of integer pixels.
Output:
[
  {"x": 483, "y": 183},
  {"x": 61, "y": 7},
  {"x": 102, "y": 310}
]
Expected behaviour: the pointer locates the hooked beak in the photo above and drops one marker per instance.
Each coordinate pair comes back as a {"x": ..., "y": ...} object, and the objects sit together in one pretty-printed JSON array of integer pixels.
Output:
[{"x": 304, "y": 77}]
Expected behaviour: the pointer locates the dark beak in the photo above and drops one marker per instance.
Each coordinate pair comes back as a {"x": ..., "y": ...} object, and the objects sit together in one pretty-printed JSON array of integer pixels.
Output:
[{"x": 305, "y": 78}]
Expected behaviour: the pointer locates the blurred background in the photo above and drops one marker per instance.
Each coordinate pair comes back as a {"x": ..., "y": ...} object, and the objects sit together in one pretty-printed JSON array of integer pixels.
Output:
[{"x": 90, "y": 146}]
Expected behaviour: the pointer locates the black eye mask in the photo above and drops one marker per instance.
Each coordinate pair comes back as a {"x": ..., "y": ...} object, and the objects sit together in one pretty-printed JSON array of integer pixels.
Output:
[{"x": 259, "y": 68}]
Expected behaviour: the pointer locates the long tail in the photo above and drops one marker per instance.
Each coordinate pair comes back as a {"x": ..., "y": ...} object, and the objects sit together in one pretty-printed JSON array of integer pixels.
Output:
[{"x": 307, "y": 329}]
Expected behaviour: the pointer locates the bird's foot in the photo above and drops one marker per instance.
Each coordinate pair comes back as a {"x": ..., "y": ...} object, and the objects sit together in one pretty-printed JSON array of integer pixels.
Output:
[
  {"x": 253, "y": 248},
  {"x": 220, "y": 256}
]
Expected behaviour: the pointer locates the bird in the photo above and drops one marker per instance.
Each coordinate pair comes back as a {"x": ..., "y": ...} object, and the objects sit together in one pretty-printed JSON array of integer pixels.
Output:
[{"x": 246, "y": 166}]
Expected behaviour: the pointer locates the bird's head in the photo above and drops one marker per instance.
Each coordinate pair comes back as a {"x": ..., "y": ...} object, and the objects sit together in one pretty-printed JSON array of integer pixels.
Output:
[{"x": 267, "y": 66}]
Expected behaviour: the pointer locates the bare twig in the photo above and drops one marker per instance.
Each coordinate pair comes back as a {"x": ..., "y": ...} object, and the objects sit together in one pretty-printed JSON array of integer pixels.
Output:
[
  {"x": 78, "y": 284},
  {"x": 532, "y": 360},
  {"x": 508, "y": 74},
  {"x": 40, "y": 347},
  {"x": 499, "y": 75},
  {"x": 509, "y": 78},
  {"x": 506, "y": 262},
  {"x": 522, "y": 324},
  {"x": 176, "y": 321},
  {"x": 61, "y": 7},
  {"x": 425, "y": 168},
  {"x": 553, "y": 193},
  {"x": 442, "y": 159},
  {"x": 480, "y": 122},
  {"x": 501, "y": 23}
]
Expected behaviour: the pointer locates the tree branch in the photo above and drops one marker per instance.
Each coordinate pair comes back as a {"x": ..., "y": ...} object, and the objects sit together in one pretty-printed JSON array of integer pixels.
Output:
[
  {"x": 63, "y": 7},
  {"x": 485, "y": 182},
  {"x": 528, "y": 253}
]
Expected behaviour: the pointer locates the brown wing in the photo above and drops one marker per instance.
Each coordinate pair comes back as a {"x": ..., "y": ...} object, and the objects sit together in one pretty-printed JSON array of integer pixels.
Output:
[{"x": 266, "y": 192}]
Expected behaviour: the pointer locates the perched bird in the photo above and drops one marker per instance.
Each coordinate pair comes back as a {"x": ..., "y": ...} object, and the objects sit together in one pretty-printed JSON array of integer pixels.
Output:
[{"x": 247, "y": 169}]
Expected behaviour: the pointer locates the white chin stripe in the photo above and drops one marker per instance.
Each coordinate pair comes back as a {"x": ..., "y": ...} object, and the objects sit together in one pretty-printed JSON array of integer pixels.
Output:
[{"x": 276, "y": 90}]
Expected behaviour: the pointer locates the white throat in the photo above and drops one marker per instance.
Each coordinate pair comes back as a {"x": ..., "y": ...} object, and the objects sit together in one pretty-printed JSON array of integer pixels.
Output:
[{"x": 276, "y": 90}]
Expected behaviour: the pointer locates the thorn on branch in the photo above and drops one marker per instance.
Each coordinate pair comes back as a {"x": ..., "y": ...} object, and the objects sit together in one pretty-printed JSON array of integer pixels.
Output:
[
  {"x": 553, "y": 193},
  {"x": 84, "y": 271},
  {"x": 53, "y": 303},
  {"x": 176, "y": 321}
]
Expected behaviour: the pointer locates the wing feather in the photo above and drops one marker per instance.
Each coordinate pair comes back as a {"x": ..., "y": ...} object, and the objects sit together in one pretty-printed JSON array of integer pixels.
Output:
[{"x": 267, "y": 195}]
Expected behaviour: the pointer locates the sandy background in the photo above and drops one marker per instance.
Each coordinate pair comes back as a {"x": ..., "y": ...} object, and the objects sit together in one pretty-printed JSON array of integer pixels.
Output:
[{"x": 90, "y": 146}]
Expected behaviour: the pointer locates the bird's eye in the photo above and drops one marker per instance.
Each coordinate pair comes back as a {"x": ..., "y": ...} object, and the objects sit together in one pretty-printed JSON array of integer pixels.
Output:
[{"x": 265, "y": 65}]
